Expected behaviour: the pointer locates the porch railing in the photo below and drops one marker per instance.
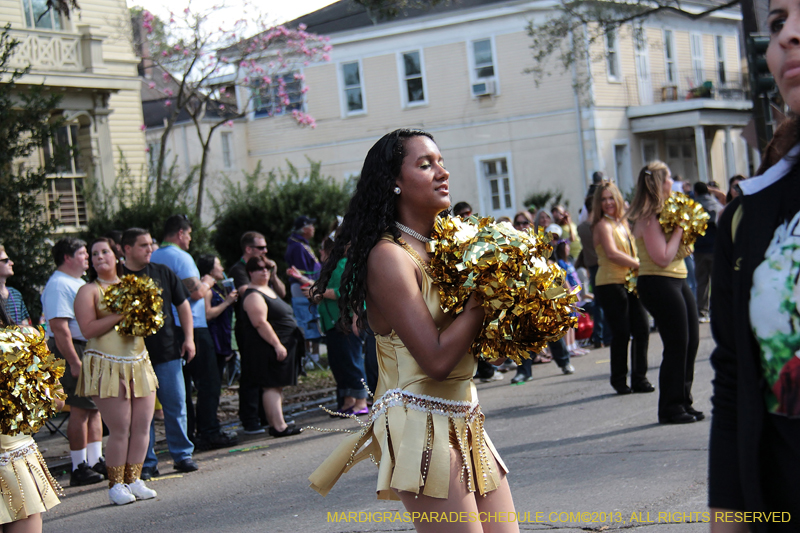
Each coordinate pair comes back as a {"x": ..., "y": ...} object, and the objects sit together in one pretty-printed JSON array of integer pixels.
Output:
[
  {"x": 47, "y": 50},
  {"x": 684, "y": 85}
]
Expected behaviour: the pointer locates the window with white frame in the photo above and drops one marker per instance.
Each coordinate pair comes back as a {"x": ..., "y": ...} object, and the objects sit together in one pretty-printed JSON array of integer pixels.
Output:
[
  {"x": 282, "y": 95},
  {"x": 39, "y": 15},
  {"x": 64, "y": 199},
  {"x": 413, "y": 78},
  {"x": 498, "y": 190},
  {"x": 696, "y": 46},
  {"x": 612, "y": 56},
  {"x": 483, "y": 58},
  {"x": 669, "y": 57},
  {"x": 227, "y": 157},
  {"x": 720, "y": 48},
  {"x": 353, "y": 88}
]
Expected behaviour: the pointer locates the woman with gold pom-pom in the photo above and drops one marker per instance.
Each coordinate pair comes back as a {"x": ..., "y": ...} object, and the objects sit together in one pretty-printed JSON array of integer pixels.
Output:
[
  {"x": 119, "y": 377},
  {"x": 426, "y": 430},
  {"x": 665, "y": 294}
]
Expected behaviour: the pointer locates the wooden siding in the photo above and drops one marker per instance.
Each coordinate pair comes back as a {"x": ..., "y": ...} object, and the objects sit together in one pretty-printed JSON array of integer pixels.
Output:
[{"x": 109, "y": 19}]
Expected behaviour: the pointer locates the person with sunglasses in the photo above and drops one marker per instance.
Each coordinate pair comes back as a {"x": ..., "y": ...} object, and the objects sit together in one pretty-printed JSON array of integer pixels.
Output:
[
  {"x": 11, "y": 297},
  {"x": 522, "y": 221},
  {"x": 253, "y": 244},
  {"x": 270, "y": 343}
]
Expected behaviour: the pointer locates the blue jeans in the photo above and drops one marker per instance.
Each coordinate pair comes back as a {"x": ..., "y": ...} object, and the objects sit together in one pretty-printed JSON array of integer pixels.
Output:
[
  {"x": 347, "y": 364},
  {"x": 307, "y": 317},
  {"x": 172, "y": 395}
]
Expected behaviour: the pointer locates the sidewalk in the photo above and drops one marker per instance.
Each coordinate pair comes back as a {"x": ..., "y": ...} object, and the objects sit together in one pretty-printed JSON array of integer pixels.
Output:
[{"x": 55, "y": 447}]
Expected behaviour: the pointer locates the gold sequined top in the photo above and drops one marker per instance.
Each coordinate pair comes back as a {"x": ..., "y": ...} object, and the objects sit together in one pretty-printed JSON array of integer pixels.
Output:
[
  {"x": 111, "y": 358},
  {"x": 676, "y": 269},
  {"x": 609, "y": 272},
  {"x": 414, "y": 420}
]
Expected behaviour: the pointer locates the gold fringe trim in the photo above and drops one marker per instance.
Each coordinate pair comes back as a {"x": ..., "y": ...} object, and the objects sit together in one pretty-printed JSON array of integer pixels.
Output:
[
  {"x": 409, "y": 437},
  {"x": 101, "y": 374},
  {"x": 26, "y": 460}
]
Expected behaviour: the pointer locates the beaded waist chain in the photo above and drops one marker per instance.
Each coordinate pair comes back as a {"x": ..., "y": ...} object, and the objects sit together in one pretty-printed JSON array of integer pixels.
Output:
[
  {"x": 424, "y": 403},
  {"x": 116, "y": 358},
  {"x": 19, "y": 453}
]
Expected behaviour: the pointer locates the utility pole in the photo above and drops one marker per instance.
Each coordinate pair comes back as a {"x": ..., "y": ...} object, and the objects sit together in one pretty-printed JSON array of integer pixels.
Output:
[{"x": 759, "y": 79}]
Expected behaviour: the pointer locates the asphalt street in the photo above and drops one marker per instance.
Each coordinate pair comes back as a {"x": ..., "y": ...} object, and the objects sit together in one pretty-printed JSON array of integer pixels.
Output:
[{"x": 571, "y": 444}]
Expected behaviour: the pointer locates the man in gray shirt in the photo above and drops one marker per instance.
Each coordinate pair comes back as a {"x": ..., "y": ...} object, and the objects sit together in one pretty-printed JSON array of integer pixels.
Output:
[{"x": 65, "y": 340}]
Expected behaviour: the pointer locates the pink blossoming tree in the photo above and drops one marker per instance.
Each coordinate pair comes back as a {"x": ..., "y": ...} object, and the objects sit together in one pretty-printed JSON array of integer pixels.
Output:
[{"x": 217, "y": 75}]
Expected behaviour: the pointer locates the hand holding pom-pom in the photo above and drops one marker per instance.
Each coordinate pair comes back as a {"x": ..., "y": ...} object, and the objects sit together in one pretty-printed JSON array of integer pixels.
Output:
[
  {"x": 138, "y": 299},
  {"x": 681, "y": 211},
  {"x": 524, "y": 297}
]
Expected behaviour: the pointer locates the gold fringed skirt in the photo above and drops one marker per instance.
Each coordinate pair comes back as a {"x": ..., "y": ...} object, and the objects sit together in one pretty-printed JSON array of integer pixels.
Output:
[
  {"x": 101, "y": 375},
  {"x": 26, "y": 485},
  {"x": 409, "y": 437}
]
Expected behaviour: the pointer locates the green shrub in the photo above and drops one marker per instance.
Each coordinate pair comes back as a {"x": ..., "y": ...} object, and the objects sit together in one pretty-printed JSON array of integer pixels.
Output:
[
  {"x": 133, "y": 204},
  {"x": 270, "y": 203}
]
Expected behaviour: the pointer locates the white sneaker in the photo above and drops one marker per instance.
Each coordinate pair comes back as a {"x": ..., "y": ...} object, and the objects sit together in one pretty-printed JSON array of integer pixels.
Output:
[
  {"x": 140, "y": 491},
  {"x": 568, "y": 369},
  {"x": 120, "y": 494}
]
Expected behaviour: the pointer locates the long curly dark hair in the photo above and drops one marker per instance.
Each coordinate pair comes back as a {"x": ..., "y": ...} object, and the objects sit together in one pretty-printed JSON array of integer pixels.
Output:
[{"x": 370, "y": 215}]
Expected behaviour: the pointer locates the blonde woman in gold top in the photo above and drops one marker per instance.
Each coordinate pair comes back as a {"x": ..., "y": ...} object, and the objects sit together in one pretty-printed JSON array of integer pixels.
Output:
[
  {"x": 666, "y": 295},
  {"x": 616, "y": 256},
  {"x": 119, "y": 377}
]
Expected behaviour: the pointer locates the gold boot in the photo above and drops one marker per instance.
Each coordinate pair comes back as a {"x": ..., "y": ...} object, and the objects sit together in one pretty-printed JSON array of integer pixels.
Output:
[
  {"x": 132, "y": 472},
  {"x": 116, "y": 474}
]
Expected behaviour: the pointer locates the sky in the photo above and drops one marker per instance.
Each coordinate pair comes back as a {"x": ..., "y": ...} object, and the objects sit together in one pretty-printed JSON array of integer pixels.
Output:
[{"x": 277, "y": 11}]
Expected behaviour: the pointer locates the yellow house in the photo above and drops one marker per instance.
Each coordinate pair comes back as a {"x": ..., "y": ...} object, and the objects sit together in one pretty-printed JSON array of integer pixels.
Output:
[
  {"x": 88, "y": 60},
  {"x": 457, "y": 71}
]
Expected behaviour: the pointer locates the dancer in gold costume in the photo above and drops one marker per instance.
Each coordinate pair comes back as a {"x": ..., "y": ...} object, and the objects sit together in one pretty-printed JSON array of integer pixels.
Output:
[
  {"x": 425, "y": 430},
  {"x": 117, "y": 374},
  {"x": 26, "y": 487}
]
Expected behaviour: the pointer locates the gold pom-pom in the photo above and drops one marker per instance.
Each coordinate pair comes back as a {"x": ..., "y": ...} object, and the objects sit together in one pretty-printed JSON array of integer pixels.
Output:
[
  {"x": 30, "y": 383},
  {"x": 631, "y": 278},
  {"x": 526, "y": 302},
  {"x": 681, "y": 211},
  {"x": 138, "y": 299}
]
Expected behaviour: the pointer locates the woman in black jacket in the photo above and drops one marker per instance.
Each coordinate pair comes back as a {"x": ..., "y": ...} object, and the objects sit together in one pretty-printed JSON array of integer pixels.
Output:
[{"x": 754, "y": 454}]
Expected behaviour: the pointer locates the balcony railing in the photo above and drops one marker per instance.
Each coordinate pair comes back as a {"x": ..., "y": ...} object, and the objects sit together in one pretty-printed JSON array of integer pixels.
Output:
[
  {"x": 50, "y": 51},
  {"x": 47, "y": 50},
  {"x": 684, "y": 85}
]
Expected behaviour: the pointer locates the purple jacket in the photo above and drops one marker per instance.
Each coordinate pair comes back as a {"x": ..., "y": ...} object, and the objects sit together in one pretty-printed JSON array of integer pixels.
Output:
[{"x": 299, "y": 254}]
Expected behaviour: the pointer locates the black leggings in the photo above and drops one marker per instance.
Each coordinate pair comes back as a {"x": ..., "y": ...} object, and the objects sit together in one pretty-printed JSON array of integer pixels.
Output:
[
  {"x": 674, "y": 309},
  {"x": 626, "y": 317}
]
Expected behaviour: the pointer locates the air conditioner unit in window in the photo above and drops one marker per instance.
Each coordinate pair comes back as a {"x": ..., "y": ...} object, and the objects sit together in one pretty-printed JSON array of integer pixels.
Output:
[{"x": 484, "y": 88}]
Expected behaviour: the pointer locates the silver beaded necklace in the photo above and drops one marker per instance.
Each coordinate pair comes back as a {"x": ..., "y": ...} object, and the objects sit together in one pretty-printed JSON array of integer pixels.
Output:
[{"x": 413, "y": 233}]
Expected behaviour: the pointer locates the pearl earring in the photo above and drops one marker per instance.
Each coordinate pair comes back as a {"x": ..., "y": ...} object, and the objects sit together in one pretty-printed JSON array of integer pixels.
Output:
[{"x": 397, "y": 190}]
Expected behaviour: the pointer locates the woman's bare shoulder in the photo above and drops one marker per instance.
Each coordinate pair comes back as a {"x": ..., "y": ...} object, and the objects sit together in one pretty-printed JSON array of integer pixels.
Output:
[{"x": 390, "y": 262}]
